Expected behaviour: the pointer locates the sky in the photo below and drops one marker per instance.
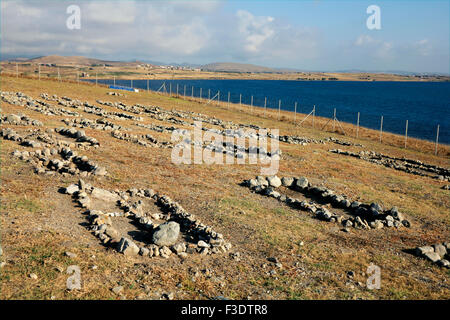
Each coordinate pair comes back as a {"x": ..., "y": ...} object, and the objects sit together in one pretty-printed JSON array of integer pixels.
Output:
[{"x": 316, "y": 35}]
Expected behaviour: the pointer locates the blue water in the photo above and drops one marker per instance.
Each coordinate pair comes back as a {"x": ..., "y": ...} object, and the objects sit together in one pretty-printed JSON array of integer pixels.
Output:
[{"x": 424, "y": 104}]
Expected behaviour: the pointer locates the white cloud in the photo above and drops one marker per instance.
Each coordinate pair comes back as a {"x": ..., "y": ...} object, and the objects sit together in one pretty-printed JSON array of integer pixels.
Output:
[
  {"x": 256, "y": 30},
  {"x": 116, "y": 12}
]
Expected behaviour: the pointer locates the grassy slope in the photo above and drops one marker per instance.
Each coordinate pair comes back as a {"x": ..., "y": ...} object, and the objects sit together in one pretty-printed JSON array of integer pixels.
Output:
[{"x": 38, "y": 225}]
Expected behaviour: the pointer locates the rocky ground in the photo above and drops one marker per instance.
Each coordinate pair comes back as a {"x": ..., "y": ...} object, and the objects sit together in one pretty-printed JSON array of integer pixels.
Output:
[{"x": 88, "y": 188}]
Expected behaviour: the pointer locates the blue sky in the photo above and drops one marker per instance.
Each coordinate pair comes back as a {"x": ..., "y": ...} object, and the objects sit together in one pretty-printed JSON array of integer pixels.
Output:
[{"x": 322, "y": 35}]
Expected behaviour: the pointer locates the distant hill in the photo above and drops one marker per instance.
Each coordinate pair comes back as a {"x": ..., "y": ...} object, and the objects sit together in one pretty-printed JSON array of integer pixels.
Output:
[
  {"x": 235, "y": 67},
  {"x": 78, "y": 61}
]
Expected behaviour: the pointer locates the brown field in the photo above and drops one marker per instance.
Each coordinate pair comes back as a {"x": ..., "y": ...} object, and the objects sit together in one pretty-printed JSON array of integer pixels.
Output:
[
  {"x": 38, "y": 224},
  {"x": 135, "y": 71}
]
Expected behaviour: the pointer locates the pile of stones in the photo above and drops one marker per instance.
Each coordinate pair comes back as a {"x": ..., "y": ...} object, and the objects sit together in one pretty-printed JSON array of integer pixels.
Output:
[
  {"x": 157, "y": 128},
  {"x": 411, "y": 166},
  {"x": 362, "y": 216},
  {"x": 113, "y": 93},
  {"x": 298, "y": 140},
  {"x": 70, "y": 164},
  {"x": 121, "y": 106},
  {"x": 438, "y": 253},
  {"x": 20, "y": 120},
  {"x": 42, "y": 161},
  {"x": 99, "y": 124},
  {"x": 109, "y": 114},
  {"x": 45, "y": 139},
  {"x": 79, "y": 135},
  {"x": 343, "y": 143},
  {"x": 143, "y": 140},
  {"x": 179, "y": 233}
]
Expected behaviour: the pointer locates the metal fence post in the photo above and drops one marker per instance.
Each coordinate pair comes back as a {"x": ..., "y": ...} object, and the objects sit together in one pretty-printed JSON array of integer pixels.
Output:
[
  {"x": 437, "y": 141},
  {"x": 357, "y": 127},
  {"x": 228, "y": 104},
  {"x": 334, "y": 119},
  {"x": 295, "y": 112},
  {"x": 265, "y": 105},
  {"x": 406, "y": 133},
  {"x": 314, "y": 115},
  {"x": 381, "y": 128},
  {"x": 279, "y": 108}
]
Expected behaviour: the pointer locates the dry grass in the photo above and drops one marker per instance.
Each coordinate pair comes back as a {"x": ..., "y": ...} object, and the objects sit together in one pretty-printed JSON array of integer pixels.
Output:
[{"x": 38, "y": 224}]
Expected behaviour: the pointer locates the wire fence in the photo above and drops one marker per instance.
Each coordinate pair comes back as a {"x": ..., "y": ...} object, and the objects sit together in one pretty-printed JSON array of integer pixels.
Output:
[{"x": 324, "y": 117}]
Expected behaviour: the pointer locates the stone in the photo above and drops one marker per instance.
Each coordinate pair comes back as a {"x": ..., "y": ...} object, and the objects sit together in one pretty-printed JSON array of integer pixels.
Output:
[
  {"x": 100, "y": 171},
  {"x": 274, "y": 181},
  {"x": 432, "y": 256},
  {"x": 144, "y": 252},
  {"x": 127, "y": 247},
  {"x": 112, "y": 233},
  {"x": 1, "y": 251},
  {"x": 324, "y": 214},
  {"x": 104, "y": 195},
  {"x": 117, "y": 290},
  {"x": 376, "y": 207},
  {"x": 165, "y": 252},
  {"x": 355, "y": 204},
  {"x": 166, "y": 234},
  {"x": 72, "y": 189},
  {"x": 440, "y": 250},
  {"x": 420, "y": 251},
  {"x": 272, "y": 259},
  {"x": 406, "y": 223},
  {"x": 33, "y": 276},
  {"x": 287, "y": 181},
  {"x": 446, "y": 244},
  {"x": 70, "y": 254},
  {"x": 301, "y": 183},
  {"x": 179, "y": 248},
  {"x": 202, "y": 244},
  {"x": 443, "y": 263},
  {"x": 377, "y": 224}
]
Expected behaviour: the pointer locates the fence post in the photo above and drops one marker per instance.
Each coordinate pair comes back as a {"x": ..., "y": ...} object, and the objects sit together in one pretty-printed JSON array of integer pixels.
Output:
[
  {"x": 209, "y": 94},
  {"x": 192, "y": 93},
  {"x": 357, "y": 127},
  {"x": 131, "y": 83},
  {"x": 381, "y": 128},
  {"x": 314, "y": 115},
  {"x": 147, "y": 85},
  {"x": 218, "y": 98},
  {"x": 279, "y": 108},
  {"x": 96, "y": 79},
  {"x": 228, "y": 104},
  {"x": 265, "y": 104},
  {"x": 39, "y": 66},
  {"x": 406, "y": 133},
  {"x": 201, "y": 94},
  {"x": 240, "y": 101},
  {"x": 251, "y": 105},
  {"x": 177, "y": 90},
  {"x": 170, "y": 89},
  {"x": 334, "y": 119},
  {"x": 295, "y": 112},
  {"x": 437, "y": 141},
  {"x": 17, "y": 70},
  {"x": 184, "y": 93}
]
